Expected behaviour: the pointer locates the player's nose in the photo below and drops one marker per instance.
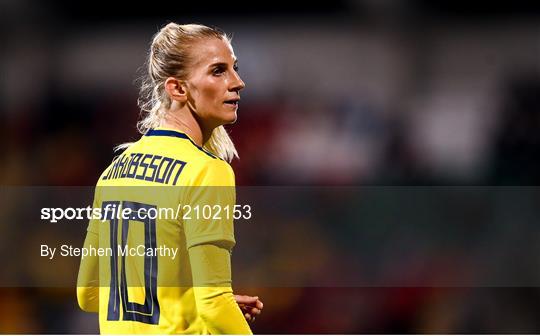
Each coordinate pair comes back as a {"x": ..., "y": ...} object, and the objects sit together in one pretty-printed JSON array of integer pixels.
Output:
[{"x": 237, "y": 83}]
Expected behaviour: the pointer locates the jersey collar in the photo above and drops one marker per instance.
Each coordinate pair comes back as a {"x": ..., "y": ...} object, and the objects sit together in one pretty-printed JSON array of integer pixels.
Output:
[{"x": 177, "y": 134}]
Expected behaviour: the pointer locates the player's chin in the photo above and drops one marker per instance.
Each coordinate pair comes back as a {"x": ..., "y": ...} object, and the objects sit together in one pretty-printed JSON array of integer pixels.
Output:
[{"x": 229, "y": 117}]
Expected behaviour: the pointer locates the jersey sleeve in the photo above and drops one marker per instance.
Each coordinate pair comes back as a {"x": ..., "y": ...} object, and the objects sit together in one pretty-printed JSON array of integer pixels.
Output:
[
  {"x": 213, "y": 292},
  {"x": 208, "y": 206},
  {"x": 88, "y": 278},
  {"x": 93, "y": 224}
]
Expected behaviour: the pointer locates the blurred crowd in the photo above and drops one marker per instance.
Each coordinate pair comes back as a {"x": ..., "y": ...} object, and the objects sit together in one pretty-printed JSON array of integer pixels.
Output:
[{"x": 329, "y": 102}]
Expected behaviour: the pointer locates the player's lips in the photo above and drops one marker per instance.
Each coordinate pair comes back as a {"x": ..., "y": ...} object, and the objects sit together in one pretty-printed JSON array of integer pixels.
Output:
[{"x": 232, "y": 102}]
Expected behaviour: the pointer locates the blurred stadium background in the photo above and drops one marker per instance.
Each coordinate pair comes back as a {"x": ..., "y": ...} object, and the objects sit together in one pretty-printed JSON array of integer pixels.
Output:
[{"x": 342, "y": 93}]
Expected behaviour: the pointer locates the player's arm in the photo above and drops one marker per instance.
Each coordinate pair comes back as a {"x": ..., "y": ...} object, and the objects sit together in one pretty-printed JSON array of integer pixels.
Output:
[
  {"x": 88, "y": 279},
  {"x": 209, "y": 245},
  {"x": 214, "y": 297}
]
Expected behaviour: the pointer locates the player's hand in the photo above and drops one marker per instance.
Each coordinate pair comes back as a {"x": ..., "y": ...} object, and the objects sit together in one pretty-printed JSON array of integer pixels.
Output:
[{"x": 251, "y": 306}]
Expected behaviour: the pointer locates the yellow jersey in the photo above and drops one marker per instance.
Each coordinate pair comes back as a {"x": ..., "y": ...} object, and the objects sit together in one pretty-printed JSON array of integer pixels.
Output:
[{"x": 145, "y": 275}]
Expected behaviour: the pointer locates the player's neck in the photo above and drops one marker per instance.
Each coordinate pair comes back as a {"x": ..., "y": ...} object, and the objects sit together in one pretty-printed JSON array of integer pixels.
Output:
[{"x": 185, "y": 121}]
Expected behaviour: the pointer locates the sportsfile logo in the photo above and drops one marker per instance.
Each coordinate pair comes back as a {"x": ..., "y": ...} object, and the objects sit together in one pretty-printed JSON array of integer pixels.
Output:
[{"x": 113, "y": 210}]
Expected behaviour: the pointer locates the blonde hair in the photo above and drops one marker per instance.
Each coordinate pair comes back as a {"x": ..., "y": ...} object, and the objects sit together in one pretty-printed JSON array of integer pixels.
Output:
[{"x": 170, "y": 57}]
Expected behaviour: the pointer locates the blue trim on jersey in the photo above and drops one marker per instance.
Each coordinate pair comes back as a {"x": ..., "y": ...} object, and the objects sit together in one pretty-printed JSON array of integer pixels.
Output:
[
  {"x": 167, "y": 133},
  {"x": 154, "y": 132}
]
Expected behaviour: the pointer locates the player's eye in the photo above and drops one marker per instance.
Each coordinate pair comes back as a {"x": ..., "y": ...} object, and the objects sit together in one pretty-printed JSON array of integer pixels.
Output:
[
  {"x": 235, "y": 67},
  {"x": 218, "y": 70}
]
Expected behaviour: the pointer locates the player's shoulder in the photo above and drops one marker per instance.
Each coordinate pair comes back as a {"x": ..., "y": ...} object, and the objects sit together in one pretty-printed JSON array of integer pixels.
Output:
[
  {"x": 214, "y": 165},
  {"x": 213, "y": 172},
  {"x": 202, "y": 166},
  {"x": 182, "y": 146}
]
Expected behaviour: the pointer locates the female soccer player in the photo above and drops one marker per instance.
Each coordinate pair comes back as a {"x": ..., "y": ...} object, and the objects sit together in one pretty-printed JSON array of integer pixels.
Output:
[{"x": 177, "y": 277}]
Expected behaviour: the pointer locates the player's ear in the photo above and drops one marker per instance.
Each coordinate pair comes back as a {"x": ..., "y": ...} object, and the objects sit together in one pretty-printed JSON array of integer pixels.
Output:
[{"x": 176, "y": 89}]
